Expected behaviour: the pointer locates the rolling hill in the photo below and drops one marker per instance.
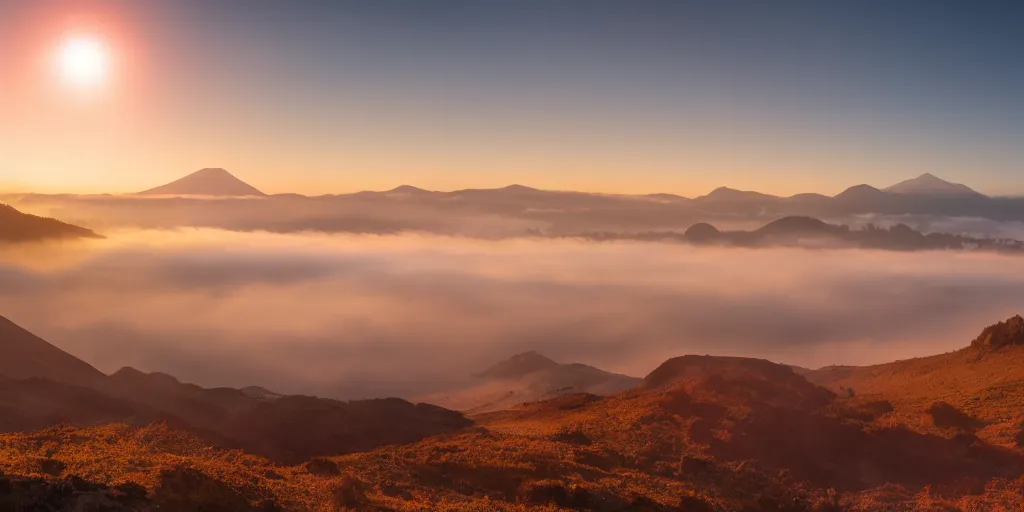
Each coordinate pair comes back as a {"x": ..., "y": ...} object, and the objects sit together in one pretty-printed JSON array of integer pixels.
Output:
[{"x": 529, "y": 377}]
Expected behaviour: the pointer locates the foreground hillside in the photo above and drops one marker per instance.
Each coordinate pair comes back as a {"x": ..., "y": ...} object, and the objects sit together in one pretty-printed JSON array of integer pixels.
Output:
[
  {"x": 978, "y": 390},
  {"x": 700, "y": 433},
  {"x": 704, "y": 434}
]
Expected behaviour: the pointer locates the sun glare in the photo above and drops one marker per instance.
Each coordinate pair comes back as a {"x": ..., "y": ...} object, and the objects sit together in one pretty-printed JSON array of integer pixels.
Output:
[{"x": 83, "y": 61}]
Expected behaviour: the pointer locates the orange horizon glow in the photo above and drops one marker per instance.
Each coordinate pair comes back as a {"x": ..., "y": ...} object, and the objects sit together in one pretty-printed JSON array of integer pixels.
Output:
[{"x": 137, "y": 111}]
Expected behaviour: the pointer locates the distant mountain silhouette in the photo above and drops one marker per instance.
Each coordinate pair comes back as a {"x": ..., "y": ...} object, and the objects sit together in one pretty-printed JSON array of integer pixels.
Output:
[
  {"x": 800, "y": 231},
  {"x": 808, "y": 231},
  {"x": 530, "y": 377},
  {"x": 730, "y": 194},
  {"x": 206, "y": 182},
  {"x": 863, "y": 194},
  {"x": 408, "y": 189},
  {"x": 702, "y": 232},
  {"x": 927, "y": 184},
  {"x": 506, "y": 212},
  {"x": 24, "y": 355},
  {"x": 16, "y": 226}
]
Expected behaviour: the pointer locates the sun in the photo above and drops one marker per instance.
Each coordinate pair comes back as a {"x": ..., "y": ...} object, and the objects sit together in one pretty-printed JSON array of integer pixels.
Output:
[{"x": 83, "y": 61}]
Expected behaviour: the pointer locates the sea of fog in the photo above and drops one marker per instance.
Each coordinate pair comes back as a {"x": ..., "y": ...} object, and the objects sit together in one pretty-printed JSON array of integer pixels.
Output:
[{"x": 363, "y": 316}]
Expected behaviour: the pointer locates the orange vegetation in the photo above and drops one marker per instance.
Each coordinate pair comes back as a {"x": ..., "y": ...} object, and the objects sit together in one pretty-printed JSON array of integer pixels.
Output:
[{"x": 700, "y": 434}]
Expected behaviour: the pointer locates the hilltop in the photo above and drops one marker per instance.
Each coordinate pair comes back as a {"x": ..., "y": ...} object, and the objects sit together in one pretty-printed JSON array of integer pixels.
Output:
[{"x": 529, "y": 377}]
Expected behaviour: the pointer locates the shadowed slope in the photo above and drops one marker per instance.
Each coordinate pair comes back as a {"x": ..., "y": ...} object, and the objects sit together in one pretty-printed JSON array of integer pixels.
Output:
[
  {"x": 22, "y": 227},
  {"x": 285, "y": 428},
  {"x": 24, "y": 355},
  {"x": 40, "y": 385}
]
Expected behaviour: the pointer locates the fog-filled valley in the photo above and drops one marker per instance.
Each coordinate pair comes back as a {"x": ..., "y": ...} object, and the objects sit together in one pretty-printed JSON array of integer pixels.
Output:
[{"x": 359, "y": 316}]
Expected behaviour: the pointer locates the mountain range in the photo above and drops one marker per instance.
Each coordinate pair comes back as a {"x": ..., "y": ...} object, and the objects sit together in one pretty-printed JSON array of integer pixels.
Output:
[
  {"x": 219, "y": 182},
  {"x": 213, "y": 198}
]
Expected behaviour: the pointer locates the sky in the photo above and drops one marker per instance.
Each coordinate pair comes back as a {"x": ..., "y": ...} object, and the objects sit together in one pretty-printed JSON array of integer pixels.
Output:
[{"x": 631, "y": 97}]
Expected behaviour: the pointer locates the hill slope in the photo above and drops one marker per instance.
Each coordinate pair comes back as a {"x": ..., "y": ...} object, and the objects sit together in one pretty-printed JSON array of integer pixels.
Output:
[
  {"x": 206, "y": 182},
  {"x": 16, "y": 226},
  {"x": 983, "y": 383},
  {"x": 24, "y": 355},
  {"x": 728, "y": 420},
  {"x": 529, "y": 377},
  {"x": 40, "y": 385}
]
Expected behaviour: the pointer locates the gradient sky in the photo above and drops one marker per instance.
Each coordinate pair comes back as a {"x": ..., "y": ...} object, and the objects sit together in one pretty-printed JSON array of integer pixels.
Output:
[{"x": 637, "y": 96}]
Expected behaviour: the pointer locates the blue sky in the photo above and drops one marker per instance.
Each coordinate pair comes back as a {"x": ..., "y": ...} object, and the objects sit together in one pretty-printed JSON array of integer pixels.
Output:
[{"x": 779, "y": 96}]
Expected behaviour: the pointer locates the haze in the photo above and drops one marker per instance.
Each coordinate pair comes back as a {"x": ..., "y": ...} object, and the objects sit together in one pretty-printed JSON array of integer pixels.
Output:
[{"x": 368, "y": 316}]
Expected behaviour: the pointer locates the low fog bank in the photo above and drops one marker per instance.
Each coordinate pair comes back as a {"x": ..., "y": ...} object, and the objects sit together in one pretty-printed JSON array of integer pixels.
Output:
[
  {"x": 356, "y": 316},
  {"x": 487, "y": 214}
]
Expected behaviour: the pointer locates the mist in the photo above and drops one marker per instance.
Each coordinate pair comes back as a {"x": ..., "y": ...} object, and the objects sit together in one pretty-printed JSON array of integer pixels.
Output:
[{"x": 354, "y": 316}]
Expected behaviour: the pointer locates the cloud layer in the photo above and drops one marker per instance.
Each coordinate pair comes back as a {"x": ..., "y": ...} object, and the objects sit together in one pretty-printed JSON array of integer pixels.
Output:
[{"x": 359, "y": 316}]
